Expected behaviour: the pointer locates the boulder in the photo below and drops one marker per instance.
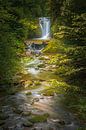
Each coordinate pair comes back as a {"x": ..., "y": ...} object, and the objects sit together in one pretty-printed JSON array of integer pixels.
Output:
[{"x": 27, "y": 124}]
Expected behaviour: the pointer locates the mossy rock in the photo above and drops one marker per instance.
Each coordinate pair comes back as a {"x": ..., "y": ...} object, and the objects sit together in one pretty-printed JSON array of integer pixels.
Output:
[
  {"x": 39, "y": 118},
  {"x": 28, "y": 93},
  {"x": 37, "y": 83},
  {"x": 35, "y": 99},
  {"x": 27, "y": 124},
  {"x": 33, "y": 87},
  {"x": 41, "y": 58},
  {"x": 48, "y": 92},
  {"x": 17, "y": 111},
  {"x": 41, "y": 65}
]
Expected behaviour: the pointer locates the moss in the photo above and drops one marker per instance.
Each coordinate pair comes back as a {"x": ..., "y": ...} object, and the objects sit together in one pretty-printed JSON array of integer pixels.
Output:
[
  {"x": 41, "y": 65},
  {"x": 55, "y": 86},
  {"x": 48, "y": 92},
  {"x": 33, "y": 87},
  {"x": 28, "y": 93},
  {"x": 37, "y": 83},
  {"x": 41, "y": 58},
  {"x": 26, "y": 59},
  {"x": 39, "y": 118}
]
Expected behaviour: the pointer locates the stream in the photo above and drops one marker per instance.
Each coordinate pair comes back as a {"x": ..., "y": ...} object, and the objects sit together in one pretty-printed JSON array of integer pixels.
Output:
[{"x": 17, "y": 110}]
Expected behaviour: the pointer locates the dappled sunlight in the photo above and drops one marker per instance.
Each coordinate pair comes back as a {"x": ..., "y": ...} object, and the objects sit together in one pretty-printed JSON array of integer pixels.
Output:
[{"x": 43, "y": 65}]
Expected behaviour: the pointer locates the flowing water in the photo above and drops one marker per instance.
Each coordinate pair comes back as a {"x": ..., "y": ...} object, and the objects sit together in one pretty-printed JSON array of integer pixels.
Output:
[{"x": 45, "y": 27}]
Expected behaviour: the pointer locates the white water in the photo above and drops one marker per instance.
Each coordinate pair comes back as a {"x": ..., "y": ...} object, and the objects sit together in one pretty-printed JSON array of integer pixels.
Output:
[
  {"x": 33, "y": 71},
  {"x": 45, "y": 27}
]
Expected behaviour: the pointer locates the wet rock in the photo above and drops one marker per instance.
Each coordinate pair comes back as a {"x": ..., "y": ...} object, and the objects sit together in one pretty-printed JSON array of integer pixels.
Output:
[
  {"x": 38, "y": 112},
  {"x": 41, "y": 97},
  {"x": 61, "y": 122},
  {"x": 17, "y": 111},
  {"x": 27, "y": 124},
  {"x": 25, "y": 107},
  {"x": 32, "y": 102},
  {"x": 26, "y": 113},
  {"x": 56, "y": 121},
  {"x": 36, "y": 99}
]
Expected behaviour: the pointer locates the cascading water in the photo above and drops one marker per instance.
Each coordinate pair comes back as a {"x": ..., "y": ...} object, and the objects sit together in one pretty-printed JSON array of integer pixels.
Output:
[{"x": 45, "y": 27}]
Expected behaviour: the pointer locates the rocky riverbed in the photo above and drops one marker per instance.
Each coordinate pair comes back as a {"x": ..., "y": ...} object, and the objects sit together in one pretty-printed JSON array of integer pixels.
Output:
[{"x": 30, "y": 109}]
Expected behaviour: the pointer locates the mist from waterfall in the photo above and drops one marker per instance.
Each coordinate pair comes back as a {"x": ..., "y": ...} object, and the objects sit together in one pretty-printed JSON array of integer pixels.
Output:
[{"x": 45, "y": 27}]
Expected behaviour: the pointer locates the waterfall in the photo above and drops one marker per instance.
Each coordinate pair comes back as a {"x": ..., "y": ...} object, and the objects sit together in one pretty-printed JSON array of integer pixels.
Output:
[{"x": 45, "y": 27}]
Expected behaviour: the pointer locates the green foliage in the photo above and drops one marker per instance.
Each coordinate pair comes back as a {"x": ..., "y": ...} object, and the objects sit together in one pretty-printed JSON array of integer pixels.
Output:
[
  {"x": 54, "y": 47},
  {"x": 9, "y": 62},
  {"x": 39, "y": 118},
  {"x": 71, "y": 68},
  {"x": 55, "y": 86},
  {"x": 69, "y": 20}
]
